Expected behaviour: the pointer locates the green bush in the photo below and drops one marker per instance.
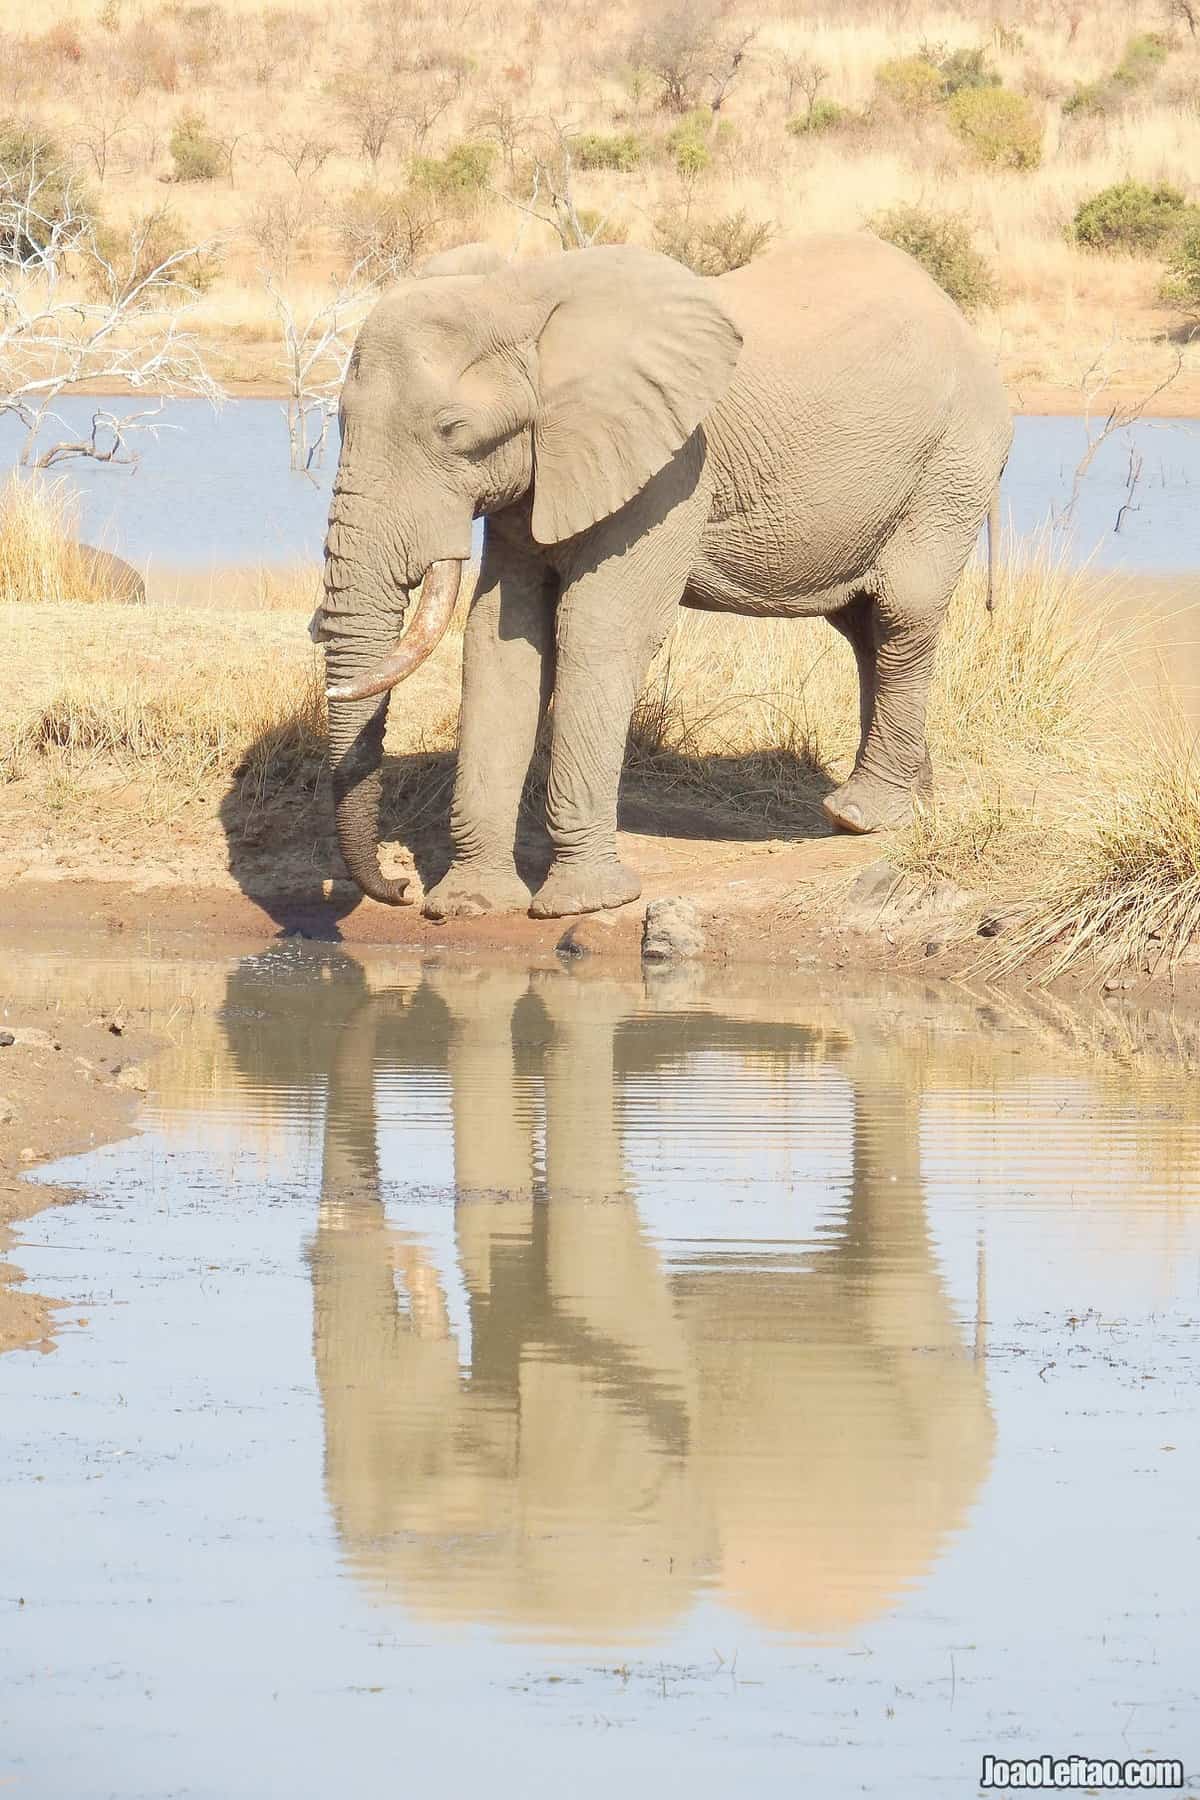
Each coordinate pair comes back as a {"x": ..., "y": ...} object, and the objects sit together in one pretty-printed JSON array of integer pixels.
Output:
[
  {"x": 689, "y": 144},
  {"x": 824, "y": 115},
  {"x": 962, "y": 68},
  {"x": 911, "y": 83},
  {"x": 197, "y": 155},
  {"x": 31, "y": 156},
  {"x": 1141, "y": 60},
  {"x": 1181, "y": 283},
  {"x": 941, "y": 243},
  {"x": 711, "y": 246},
  {"x": 1143, "y": 57},
  {"x": 623, "y": 152},
  {"x": 1131, "y": 217},
  {"x": 457, "y": 178},
  {"x": 1091, "y": 97},
  {"x": 999, "y": 126}
]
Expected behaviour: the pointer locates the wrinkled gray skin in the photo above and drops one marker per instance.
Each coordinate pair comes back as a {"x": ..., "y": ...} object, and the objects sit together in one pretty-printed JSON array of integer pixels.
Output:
[
  {"x": 818, "y": 433},
  {"x": 121, "y": 579}
]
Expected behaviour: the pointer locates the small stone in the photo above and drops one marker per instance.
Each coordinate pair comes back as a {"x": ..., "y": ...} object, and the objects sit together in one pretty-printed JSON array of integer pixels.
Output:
[
  {"x": 1119, "y": 987},
  {"x": 589, "y": 936},
  {"x": 6, "y": 1038},
  {"x": 28, "y": 1155},
  {"x": 671, "y": 931},
  {"x": 994, "y": 923},
  {"x": 935, "y": 946},
  {"x": 130, "y": 1076}
]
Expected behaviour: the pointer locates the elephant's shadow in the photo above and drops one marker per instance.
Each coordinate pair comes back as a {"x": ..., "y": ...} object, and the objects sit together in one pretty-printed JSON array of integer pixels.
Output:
[{"x": 277, "y": 815}]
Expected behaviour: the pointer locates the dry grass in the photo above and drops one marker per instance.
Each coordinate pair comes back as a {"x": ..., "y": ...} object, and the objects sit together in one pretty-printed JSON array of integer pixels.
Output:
[
  {"x": 1124, "y": 890},
  {"x": 1052, "y": 792},
  {"x": 39, "y": 559},
  {"x": 256, "y": 72}
]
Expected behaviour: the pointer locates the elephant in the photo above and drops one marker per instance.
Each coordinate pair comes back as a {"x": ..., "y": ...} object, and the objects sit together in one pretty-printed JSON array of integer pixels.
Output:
[
  {"x": 119, "y": 579},
  {"x": 818, "y": 433},
  {"x": 594, "y": 1434}
]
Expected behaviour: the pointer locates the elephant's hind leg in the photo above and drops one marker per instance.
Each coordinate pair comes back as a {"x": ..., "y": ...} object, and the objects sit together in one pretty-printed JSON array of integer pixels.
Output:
[
  {"x": 508, "y": 664},
  {"x": 894, "y": 635}
]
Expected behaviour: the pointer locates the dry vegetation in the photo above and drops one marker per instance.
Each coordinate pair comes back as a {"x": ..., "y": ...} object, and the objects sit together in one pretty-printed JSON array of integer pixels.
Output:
[
  {"x": 305, "y": 137},
  {"x": 117, "y": 719}
]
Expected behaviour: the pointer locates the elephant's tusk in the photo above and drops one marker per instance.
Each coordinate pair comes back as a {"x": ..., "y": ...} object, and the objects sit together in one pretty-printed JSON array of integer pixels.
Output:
[{"x": 434, "y": 610}]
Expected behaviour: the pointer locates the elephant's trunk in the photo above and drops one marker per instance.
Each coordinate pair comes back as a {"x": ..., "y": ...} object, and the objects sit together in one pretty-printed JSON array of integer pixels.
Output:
[
  {"x": 355, "y": 752},
  {"x": 363, "y": 662}
]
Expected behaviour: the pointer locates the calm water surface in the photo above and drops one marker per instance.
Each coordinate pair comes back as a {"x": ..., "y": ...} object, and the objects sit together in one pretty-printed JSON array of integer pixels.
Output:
[
  {"x": 506, "y": 1380},
  {"x": 215, "y": 488}
]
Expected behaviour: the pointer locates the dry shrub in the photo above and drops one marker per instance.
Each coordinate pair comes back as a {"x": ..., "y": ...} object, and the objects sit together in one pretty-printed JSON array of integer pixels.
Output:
[
  {"x": 40, "y": 560},
  {"x": 1125, "y": 887}
]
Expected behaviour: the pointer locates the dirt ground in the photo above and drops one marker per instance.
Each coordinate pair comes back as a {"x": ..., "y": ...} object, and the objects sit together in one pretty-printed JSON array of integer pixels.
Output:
[{"x": 68, "y": 1081}]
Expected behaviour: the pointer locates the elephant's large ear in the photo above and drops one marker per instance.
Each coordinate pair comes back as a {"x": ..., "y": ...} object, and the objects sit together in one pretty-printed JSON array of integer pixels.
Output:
[{"x": 632, "y": 357}]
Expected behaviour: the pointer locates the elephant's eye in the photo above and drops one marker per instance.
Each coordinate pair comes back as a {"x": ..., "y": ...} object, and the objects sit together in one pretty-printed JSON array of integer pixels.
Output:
[{"x": 456, "y": 430}]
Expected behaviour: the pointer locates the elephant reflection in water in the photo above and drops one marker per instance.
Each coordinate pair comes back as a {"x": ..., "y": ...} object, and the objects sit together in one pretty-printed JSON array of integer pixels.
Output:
[{"x": 801, "y": 1432}]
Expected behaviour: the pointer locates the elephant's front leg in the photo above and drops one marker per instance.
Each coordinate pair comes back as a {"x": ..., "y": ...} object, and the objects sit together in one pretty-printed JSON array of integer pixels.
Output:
[
  {"x": 614, "y": 613},
  {"x": 508, "y": 662}
]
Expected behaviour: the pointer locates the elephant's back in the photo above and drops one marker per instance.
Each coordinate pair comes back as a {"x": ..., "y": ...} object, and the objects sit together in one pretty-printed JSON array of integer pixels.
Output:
[
  {"x": 851, "y": 316},
  {"x": 824, "y": 281}
]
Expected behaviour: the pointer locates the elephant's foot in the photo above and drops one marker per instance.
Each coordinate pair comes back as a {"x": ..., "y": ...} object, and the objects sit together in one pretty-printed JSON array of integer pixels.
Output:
[
  {"x": 865, "y": 804},
  {"x": 468, "y": 889},
  {"x": 583, "y": 887}
]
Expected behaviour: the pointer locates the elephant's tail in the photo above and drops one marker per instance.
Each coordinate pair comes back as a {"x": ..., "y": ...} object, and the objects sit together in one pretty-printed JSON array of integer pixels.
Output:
[{"x": 993, "y": 545}]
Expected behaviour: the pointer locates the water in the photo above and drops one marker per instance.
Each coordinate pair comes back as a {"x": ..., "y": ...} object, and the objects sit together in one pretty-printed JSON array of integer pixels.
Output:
[
  {"x": 215, "y": 488},
  {"x": 481, "y": 1377}
]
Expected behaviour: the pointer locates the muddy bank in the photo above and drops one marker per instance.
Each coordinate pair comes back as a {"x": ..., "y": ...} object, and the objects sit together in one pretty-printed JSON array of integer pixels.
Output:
[{"x": 70, "y": 1079}]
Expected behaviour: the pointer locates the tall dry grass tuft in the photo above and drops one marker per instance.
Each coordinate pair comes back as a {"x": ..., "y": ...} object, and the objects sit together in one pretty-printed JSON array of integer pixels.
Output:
[
  {"x": 1125, "y": 891},
  {"x": 40, "y": 561}
]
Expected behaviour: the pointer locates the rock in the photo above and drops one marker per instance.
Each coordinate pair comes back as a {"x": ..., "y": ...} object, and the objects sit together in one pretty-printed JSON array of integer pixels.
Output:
[
  {"x": 935, "y": 946},
  {"x": 589, "y": 936},
  {"x": 1119, "y": 987},
  {"x": 130, "y": 1076},
  {"x": 6, "y": 1038},
  {"x": 28, "y": 1155},
  {"x": 31, "y": 1038},
  {"x": 874, "y": 885},
  {"x": 671, "y": 931}
]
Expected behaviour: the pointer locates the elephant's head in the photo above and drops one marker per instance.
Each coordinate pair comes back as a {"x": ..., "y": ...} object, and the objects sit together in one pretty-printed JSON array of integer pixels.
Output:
[{"x": 572, "y": 380}]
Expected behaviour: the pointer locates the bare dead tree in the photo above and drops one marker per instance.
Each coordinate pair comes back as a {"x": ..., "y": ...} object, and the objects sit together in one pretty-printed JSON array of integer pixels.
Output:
[
  {"x": 370, "y": 103},
  {"x": 316, "y": 350},
  {"x": 130, "y": 336},
  {"x": 279, "y": 225},
  {"x": 552, "y": 200},
  {"x": 728, "y": 61},
  {"x": 1095, "y": 381},
  {"x": 503, "y": 125},
  {"x": 98, "y": 140},
  {"x": 424, "y": 100},
  {"x": 804, "y": 75},
  {"x": 304, "y": 154},
  {"x": 1188, "y": 11}
]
